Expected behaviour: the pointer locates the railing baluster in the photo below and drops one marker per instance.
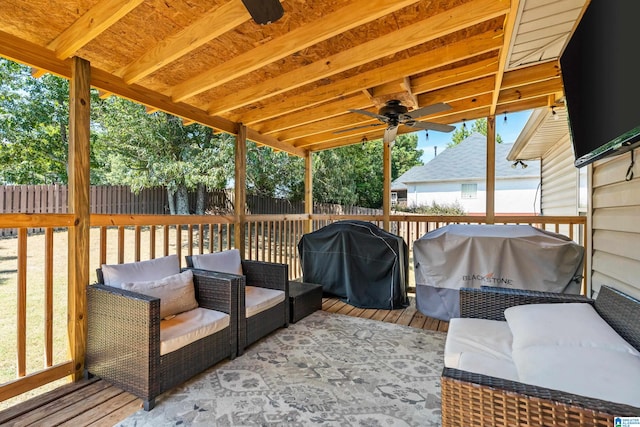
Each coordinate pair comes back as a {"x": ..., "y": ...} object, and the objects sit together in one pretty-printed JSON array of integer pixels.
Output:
[
  {"x": 103, "y": 245},
  {"x": 138, "y": 242},
  {"x": 121, "y": 244},
  {"x": 48, "y": 297},
  {"x": 152, "y": 242},
  {"x": 22, "y": 302}
]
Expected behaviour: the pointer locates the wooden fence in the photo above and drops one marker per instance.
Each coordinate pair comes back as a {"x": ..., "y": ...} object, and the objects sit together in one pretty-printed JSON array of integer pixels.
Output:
[{"x": 119, "y": 199}]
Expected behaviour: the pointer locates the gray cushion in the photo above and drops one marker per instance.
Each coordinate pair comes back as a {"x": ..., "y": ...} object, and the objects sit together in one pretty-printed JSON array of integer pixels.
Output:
[{"x": 154, "y": 269}]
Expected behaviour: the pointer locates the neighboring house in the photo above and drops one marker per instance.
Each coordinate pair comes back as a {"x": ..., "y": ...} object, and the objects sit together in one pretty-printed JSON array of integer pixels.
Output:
[{"x": 458, "y": 175}]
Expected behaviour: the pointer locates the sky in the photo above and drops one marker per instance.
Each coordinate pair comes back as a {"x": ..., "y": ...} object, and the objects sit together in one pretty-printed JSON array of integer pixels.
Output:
[{"x": 509, "y": 132}]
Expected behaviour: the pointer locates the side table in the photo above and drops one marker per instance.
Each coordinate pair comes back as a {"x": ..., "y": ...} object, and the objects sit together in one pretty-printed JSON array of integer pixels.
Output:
[{"x": 304, "y": 299}]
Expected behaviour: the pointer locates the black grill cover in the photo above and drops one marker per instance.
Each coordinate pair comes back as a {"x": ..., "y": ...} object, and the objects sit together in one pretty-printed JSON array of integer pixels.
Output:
[{"x": 358, "y": 262}]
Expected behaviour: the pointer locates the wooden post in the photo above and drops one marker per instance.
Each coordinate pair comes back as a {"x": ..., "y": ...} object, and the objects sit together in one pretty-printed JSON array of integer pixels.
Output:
[
  {"x": 491, "y": 170},
  {"x": 386, "y": 185},
  {"x": 240, "y": 188},
  {"x": 78, "y": 204},
  {"x": 308, "y": 191}
]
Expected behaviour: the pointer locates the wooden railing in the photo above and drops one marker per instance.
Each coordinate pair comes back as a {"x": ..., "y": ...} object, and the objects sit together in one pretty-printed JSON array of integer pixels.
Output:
[{"x": 129, "y": 238}]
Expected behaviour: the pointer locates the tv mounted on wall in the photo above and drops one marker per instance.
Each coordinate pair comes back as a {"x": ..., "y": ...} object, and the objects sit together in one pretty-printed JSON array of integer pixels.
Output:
[{"x": 602, "y": 81}]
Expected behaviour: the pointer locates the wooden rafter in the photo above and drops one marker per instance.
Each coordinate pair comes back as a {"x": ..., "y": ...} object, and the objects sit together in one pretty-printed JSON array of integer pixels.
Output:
[
  {"x": 90, "y": 25},
  {"x": 428, "y": 29},
  {"x": 355, "y": 14},
  {"x": 209, "y": 26},
  {"x": 292, "y": 83}
]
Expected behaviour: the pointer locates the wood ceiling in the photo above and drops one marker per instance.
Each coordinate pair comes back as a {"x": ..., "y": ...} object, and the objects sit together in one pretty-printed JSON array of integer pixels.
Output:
[{"x": 291, "y": 82}]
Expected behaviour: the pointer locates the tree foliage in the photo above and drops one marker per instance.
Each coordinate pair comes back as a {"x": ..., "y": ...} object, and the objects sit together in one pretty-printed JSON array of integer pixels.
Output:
[
  {"x": 131, "y": 147},
  {"x": 352, "y": 175},
  {"x": 274, "y": 174},
  {"x": 479, "y": 125},
  {"x": 34, "y": 122},
  {"x": 147, "y": 150}
]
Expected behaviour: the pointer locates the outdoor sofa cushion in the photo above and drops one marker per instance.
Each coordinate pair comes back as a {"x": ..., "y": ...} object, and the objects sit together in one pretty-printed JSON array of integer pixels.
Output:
[
  {"x": 565, "y": 324},
  {"x": 154, "y": 269},
  {"x": 190, "y": 326},
  {"x": 176, "y": 292},
  {"x": 566, "y": 347},
  {"x": 480, "y": 345},
  {"x": 257, "y": 299},
  {"x": 225, "y": 261}
]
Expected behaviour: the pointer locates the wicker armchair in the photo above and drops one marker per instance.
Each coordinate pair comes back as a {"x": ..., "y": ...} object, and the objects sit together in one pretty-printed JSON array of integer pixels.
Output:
[
  {"x": 123, "y": 337},
  {"x": 479, "y": 400},
  {"x": 265, "y": 275}
]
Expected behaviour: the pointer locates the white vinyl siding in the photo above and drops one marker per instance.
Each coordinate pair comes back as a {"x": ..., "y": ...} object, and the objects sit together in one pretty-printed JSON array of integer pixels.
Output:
[
  {"x": 559, "y": 180},
  {"x": 615, "y": 206}
]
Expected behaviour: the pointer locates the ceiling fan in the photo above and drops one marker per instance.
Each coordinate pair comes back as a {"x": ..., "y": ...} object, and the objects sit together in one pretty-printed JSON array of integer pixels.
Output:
[
  {"x": 394, "y": 114},
  {"x": 264, "y": 11}
]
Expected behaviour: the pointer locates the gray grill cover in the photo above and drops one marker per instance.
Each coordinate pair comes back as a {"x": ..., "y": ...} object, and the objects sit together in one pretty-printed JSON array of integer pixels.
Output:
[
  {"x": 509, "y": 256},
  {"x": 357, "y": 262}
]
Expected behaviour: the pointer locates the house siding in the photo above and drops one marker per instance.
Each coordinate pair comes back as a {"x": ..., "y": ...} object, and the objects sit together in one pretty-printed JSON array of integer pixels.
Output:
[
  {"x": 559, "y": 180},
  {"x": 513, "y": 196},
  {"x": 615, "y": 210}
]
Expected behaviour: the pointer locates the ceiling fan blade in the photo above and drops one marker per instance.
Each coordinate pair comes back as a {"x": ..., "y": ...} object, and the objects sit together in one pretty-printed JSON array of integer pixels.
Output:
[
  {"x": 370, "y": 114},
  {"x": 390, "y": 134},
  {"x": 358, "y": 127},
  {"x": 264, "y": 11},
  {"x": 431, "y": 126},
  {"x": 429, "y": 109}
]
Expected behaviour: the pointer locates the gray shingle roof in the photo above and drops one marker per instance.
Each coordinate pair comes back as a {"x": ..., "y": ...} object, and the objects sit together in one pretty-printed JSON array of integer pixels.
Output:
[{"x": 466, "y": 161}]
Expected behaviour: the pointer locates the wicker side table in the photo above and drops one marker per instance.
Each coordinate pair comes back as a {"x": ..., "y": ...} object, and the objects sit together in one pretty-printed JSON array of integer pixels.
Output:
[{"x": 304, "y": 299}]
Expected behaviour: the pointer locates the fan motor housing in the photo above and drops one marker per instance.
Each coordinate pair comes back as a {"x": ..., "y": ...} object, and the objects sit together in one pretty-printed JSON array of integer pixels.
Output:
[{"x": 393, "y": 109}]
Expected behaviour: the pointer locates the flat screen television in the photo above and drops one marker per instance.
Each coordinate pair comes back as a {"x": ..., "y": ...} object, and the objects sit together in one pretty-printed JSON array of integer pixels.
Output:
[{"x": 602, "y": 81}]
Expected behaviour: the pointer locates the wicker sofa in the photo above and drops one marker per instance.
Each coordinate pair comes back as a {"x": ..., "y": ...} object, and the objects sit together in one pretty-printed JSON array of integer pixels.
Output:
[
  {"x": 257, "y": 276},
  {"x": 124, "y": 336},
  {"x": 472, "y": 398}
]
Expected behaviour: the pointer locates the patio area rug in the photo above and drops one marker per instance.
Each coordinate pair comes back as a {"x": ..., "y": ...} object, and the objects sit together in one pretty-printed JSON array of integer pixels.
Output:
[{"x": 327, "y": 369}]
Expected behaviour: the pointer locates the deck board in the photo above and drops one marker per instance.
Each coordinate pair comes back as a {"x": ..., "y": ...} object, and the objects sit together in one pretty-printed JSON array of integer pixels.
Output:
[{"x": 95, "y": 402}]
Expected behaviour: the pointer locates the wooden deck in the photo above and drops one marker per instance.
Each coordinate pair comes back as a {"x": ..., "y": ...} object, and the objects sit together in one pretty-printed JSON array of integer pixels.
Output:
[{"x": 95, "y": 402}]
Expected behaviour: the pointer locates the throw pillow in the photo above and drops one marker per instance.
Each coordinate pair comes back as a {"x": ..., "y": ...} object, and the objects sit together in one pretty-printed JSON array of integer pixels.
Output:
[
  {"x": 153, "y": 269},
  {"x": 176, "y": 292},
  {"x": 569, "y": 324}
]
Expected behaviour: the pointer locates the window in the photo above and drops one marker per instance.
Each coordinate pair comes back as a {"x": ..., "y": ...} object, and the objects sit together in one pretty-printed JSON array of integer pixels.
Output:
[
  {"x": 394, "y": 198},
  {"x": 469, "y": 191}
]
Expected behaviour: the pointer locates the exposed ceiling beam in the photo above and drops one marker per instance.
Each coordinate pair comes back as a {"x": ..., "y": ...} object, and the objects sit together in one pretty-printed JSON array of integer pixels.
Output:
[
  {"x": 338, "y": 88},
  {"x": 351, "y": 16},
  {"x": 449, "y": 77},
  {"x": 510, "y": 24},
  {"x": 532, "y": 90},
  {"x": 331, "y": 109},
  {"x": 209, "y": 26},
  {"x": 90, "y": 25},
  {"x": 274, "y": 143},
  {"x": 428, "y": 29},
  {"x": 35, "y": 56},
  {"x": 534, "y": 73}
]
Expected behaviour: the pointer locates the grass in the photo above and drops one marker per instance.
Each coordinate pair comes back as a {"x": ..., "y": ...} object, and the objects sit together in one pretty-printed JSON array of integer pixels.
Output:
[
  {"x": 35, "y": 349},
  {"x": 36, "y": 296}
]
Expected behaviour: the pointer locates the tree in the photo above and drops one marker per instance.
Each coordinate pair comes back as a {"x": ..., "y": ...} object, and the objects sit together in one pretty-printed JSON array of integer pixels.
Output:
[
  {"x": 34, "y": 122},
  {"x": 147, "y": 150},
  {"x": 479, "y": 125},
  {"x": 274, "y": 174},
  {"x": 353, "y": 175}
]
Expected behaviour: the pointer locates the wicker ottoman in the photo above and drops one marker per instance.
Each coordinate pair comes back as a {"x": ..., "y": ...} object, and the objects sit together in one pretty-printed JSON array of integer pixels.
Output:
[{"x": 304, "y": 299}]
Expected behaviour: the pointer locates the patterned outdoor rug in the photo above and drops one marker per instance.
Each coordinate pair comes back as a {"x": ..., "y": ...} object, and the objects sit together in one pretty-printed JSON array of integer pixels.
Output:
[{"x": 327, "y": 369}]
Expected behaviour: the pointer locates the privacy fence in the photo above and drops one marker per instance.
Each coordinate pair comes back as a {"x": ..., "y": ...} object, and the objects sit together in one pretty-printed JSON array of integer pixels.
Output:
[{"x": 121, "y": 200}]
